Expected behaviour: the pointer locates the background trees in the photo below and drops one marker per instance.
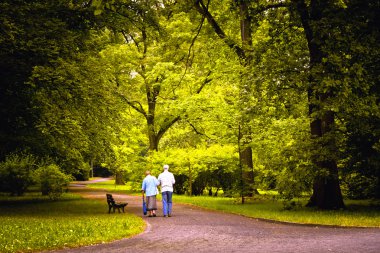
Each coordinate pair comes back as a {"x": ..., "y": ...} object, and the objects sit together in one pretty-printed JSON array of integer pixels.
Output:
[
  {"x": 320, "y": 81},
  {"x": 35, "y": 35},
  {"x": 289, "y": 87}
]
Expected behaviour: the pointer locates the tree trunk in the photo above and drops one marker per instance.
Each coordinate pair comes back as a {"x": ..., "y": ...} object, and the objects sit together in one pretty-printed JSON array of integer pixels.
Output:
[
  {"x": 92, "y": 167},
  {"x": 245, "y": 154},
  {"x": 190, "y": 181},
  {"x": 248, "y": 176},
  {"x": 153, "y": 141},
  {"x": 119, "y": 180},
  {"x": 246, "y": 163},
  {"x": 326, "y": 189}
]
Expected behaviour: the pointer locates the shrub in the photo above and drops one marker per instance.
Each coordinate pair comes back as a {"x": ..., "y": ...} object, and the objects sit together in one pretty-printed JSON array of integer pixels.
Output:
[
  {"x": 16, "y": 173},
  {"x": 358, "y": 186},
  {"x": 52, "y": 180}
]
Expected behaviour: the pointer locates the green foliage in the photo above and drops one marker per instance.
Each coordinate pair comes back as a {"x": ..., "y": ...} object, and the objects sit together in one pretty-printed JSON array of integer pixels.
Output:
[
  {"x": 359, "y": 186},
  {"x": 198, "y": 168},
  {"x": 352, "y": 62},
  {"x": 282, "y": 158},
  {"x": 16, "y": 173},
  {"x": 52, "y": 180},
  {"x": 141, "y": 76},
  {"x": 34, "y": 223},
  {"x": 79, "y": 111},
  {"x": 32, "y": 34}
]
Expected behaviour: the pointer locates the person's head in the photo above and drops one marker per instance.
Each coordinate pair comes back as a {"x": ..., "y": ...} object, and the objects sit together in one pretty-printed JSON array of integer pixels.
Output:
[
  {"x": 166, "y": 167},
  {"x": 147, "y": 172}
]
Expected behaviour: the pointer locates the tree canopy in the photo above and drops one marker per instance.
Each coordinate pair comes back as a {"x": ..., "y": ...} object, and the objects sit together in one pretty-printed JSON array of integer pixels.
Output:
[{"x": 235, "y": 95}]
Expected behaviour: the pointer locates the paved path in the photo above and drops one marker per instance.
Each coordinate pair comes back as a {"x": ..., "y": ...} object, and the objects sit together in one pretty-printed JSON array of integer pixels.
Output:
[{"x": 195, "y": 230}]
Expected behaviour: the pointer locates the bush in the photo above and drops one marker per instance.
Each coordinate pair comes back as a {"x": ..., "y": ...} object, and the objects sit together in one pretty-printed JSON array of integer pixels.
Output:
[
  {"x": 16, "y": 173},
  {"x": 292, "y": 182},
  {"x": 52, "y": 180},
  {"x": 357, "y": 186}
]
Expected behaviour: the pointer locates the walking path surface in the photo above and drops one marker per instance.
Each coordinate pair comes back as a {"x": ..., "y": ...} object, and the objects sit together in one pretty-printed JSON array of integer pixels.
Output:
[{"x": 195, "y": 230}]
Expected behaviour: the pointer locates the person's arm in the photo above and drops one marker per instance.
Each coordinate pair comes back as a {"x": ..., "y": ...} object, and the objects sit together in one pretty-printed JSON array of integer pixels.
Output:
[
  {"x": 143, "y": 188},
  {"x": 158, "y": 181}
]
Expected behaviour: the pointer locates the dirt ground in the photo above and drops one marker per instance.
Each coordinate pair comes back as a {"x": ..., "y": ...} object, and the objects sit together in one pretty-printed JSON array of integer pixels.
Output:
[{"x": 196, "y": 230}]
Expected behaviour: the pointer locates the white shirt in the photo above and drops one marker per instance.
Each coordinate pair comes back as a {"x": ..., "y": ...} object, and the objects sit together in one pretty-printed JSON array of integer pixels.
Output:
[{"x": 166, "y": 180}]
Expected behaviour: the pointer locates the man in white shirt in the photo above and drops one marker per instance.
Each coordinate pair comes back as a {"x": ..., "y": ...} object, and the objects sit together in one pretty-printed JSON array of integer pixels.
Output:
[{"x": 166, "y": 181}]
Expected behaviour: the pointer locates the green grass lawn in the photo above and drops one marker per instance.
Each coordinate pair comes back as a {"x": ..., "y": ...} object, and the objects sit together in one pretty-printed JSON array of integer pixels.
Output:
[
  {"x": 33, "y": 223},
  {"x": 358, "y": 213},
  {"x": 111, "y": 186}
]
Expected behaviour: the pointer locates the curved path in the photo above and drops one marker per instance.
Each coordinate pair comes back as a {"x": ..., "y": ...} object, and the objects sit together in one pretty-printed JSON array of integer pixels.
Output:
[{"x": 195, "y": 230}]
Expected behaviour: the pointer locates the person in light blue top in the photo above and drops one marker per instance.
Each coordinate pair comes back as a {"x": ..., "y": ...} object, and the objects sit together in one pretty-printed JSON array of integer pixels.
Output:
[{"x": 149, "y": 188}]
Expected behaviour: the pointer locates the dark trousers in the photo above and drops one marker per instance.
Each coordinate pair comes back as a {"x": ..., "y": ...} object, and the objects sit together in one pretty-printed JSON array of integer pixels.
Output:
[{"x": 167, "y": 202}]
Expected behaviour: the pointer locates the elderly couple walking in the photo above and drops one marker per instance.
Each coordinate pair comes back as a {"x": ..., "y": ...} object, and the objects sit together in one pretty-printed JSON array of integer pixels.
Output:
[{"x": 149, "y": 188}]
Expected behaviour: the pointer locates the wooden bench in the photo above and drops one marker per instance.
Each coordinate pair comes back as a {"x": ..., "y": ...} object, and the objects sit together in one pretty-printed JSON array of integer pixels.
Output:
[{"x": 113, "y": 205}]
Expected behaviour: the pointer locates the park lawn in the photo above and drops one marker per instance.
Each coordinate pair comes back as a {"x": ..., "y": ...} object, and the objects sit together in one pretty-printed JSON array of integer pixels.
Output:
[
  {"x": 110, "y": 185},
  {"x": 35, "y": 223},
  {"x": 357, "y": 214}
]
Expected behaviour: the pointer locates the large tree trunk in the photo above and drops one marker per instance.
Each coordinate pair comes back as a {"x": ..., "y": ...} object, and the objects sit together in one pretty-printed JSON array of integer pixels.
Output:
[
  {"x": 153, "y": 140},
  {"x": 248, "y": 175},
  {"x": 190, "y": 181},
  {"x": 119, "y": 180},
  {"x": 326, "y": 189},
  {"x": 245, "y": 155}
]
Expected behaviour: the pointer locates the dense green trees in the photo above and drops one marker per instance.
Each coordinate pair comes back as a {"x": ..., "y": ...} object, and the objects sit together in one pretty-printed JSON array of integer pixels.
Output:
[
  {"x": 20, "y": 171},
  {"x": 334, "y": 81},
  {"x": 152, "y": 66},
  {"x": 235, "y": 95},
  {"x": 322, "y": 77},
  {"x": 35, "y": 35}
]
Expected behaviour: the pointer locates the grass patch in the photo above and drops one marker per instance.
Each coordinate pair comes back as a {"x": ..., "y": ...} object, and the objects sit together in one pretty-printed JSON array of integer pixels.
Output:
[
  {"x": 33, "y": 223},
  {"x": 110, "y": 185},
  {"x": 358, "y": 213}
]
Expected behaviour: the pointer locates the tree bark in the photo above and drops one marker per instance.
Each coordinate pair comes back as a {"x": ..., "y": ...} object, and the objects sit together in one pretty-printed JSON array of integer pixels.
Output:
[
  {"x": 119, "y": 180},
  {"x": 246, "y": 38},
  {"x": 153, "y": 141},
  {"x": 326, "y": 188},
  {"x": 248, "y": 175},
  {"x": 190, "y": 181}
]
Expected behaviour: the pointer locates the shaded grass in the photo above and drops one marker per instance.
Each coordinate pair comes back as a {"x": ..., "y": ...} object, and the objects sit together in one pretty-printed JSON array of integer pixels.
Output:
[
  {"x": 357, "y": 214},
  {"x": 34, "y": 222}
]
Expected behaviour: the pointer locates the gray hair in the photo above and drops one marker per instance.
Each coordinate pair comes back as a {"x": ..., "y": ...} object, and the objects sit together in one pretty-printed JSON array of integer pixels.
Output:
[{"x": 166, "y": 167}]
